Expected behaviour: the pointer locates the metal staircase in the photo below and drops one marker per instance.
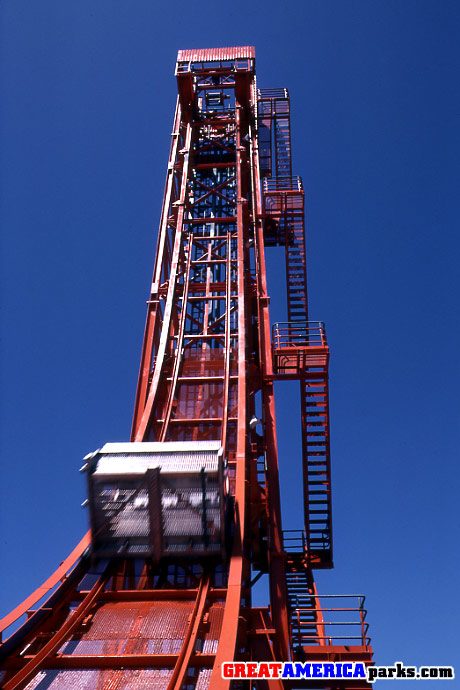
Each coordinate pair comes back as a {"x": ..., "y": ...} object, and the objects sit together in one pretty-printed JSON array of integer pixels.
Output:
[
  {"x": 323, "y": 627},
  {"x": 284, "y": 225},
  {"x": 301, "y": 352},
  {"x": 305, "y": 617},
  {"x": 316, "y": 465}
]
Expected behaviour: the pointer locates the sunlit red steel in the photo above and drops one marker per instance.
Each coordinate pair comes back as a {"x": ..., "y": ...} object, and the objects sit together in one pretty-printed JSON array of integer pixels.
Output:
[{"x": 208, "y": 368}]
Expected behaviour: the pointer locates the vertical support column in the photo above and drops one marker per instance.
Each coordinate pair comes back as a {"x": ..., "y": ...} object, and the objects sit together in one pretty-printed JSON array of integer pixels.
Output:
[{"x": 230, "y": 624}]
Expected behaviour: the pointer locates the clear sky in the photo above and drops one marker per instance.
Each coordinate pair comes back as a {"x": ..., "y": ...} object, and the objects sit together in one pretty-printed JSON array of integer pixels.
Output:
[{"x": 88, "y": 97}]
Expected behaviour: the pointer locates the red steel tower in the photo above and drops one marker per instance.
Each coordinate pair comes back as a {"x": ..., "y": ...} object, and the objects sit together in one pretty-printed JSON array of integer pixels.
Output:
[{"x": 186, "y": 517}]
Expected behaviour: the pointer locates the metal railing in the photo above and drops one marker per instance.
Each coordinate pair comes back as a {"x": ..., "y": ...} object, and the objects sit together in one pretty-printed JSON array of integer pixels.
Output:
[
  {"x": 320, "y": 539},
  {"x": 272, "y": 93},
  {"x": 317, "y": 620},
  {"x": 298, "y": 334},
  {"x": 283, "y": 184},
  {"x": 294, "y": 541}
]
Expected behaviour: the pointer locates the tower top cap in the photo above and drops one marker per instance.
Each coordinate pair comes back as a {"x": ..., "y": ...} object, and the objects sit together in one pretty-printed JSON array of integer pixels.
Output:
[{"x": 214, "y": 54}]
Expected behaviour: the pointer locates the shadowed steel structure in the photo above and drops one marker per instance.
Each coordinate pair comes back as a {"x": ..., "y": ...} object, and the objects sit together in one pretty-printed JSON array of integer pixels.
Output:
[{"x": 167, "y": 610}]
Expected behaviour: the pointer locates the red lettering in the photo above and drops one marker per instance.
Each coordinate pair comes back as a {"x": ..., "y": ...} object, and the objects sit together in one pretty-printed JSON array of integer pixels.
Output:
[
  {"x": 227, "y": 670},
  {"x": 251, "y": 670},
  {"x": 264, "y": 671},
  {"x": 240, "y": 671},
  {"x": 275, "y": 668}
]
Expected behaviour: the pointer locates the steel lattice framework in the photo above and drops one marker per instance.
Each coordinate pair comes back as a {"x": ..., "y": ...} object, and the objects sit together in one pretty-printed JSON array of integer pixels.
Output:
[{"x": 209, "y": 362}]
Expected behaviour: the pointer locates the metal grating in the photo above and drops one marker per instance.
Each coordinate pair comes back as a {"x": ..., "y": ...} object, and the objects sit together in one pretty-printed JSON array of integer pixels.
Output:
[
  {"x": 204, "y": 677},
  {"x": 157, "y": 628},
  {"x": 137, "y": 458},
  {"x": 84, "y": 647},
  {"x": 212, "y": 54},
  {"x": 79, "y": 679},
  {"x": 113, "y": 621},
  {"x": 167, "y": 620},
  {"x": 65, "y": 680},
  {"x": 211, "y": 640}
]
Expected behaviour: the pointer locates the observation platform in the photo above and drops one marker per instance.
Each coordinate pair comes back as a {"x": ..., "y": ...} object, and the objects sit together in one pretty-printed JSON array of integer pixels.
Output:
[
  {"x": 284, "y": 207},
  {"x": 299, "y": 348},
  {"x": 327, "y": 627}
]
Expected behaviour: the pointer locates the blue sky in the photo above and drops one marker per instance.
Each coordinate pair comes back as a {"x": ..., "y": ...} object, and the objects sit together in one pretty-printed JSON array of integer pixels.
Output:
[{"x": 88, "y": 98}]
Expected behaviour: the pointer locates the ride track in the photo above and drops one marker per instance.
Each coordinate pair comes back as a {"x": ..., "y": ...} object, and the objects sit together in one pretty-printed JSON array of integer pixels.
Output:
[{"x": 208, "y": 366}]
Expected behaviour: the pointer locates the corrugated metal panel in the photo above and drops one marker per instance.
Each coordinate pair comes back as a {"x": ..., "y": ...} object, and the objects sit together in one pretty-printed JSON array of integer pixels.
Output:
[
  {"x": 113, "y": 621},
  {"x": 82, "y": 647},
  {"x": 157, "y": 447},
  {"x": 155, "y": 628},
  {"x": 216, "y": 54},
  {"x": 135, "y": 463},
  {"x": 167, "y": 620},
  {"x": 203, "y": 679},
  {"x": 143, "y": 679},
  {"x": 62, "y": 680},
  {"x": 136, "y": 458},
  {"x": 211, "y": 640}
]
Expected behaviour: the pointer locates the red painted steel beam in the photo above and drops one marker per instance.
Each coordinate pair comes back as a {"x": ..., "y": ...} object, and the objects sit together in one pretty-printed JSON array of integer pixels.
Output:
[
  {"x": 183, "y": 660},
  {"x": 118, "y": 661},
  {"x": 39, "y": 660},
  {"x": 153, "y": 595},
  {"x": 48, "y": 585},
  {"x": 142, "y": 429},
  {"x": 227, "y": 644}
]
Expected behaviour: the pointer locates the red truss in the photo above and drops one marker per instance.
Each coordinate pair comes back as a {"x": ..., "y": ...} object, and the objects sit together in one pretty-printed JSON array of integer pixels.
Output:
[{"x": 207, "y": 373}]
